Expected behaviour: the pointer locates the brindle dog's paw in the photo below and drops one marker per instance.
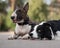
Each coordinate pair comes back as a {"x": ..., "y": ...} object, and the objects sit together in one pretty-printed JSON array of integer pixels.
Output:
[
  {"x": 25, "y": 37},
  {"x": 10, "y": 38}
]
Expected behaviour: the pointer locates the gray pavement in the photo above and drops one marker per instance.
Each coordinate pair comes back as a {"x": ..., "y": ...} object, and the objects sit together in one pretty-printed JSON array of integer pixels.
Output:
[{"x": 5, "y": 43}]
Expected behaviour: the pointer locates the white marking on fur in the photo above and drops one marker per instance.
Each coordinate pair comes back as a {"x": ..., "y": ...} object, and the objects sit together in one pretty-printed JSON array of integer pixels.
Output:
[
  {"x": 22, "y": 29},
  {"x": 52, "y": 33},
  {"x": 35, "y": 35},
  {"x": 42, "y": 23},
  {"x": 20, "y": 21},
  {"x": 14, "y": 13},
  {"x": 34, "y": 32},
  {"x": 57, "y": 37}
]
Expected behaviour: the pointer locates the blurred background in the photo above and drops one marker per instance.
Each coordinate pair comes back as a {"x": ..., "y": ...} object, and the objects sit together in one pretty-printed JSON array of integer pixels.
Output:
[{"x": 39, "y": 10}]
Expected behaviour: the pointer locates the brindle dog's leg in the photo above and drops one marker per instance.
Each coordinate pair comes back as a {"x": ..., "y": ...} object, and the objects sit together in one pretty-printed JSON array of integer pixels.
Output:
[
  {"x": 25, "y": 37},
  {"x": 15, "y": 36}
]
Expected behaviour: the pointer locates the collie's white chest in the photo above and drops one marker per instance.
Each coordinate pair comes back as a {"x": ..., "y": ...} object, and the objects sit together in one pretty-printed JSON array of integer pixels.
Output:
[{"x": 22, "y": 29}]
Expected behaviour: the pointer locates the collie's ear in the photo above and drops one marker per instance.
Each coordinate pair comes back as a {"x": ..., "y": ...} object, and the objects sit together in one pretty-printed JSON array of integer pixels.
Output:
[
  {"x": 47, "y": 24},
  {"x": 26, "y": 7}
]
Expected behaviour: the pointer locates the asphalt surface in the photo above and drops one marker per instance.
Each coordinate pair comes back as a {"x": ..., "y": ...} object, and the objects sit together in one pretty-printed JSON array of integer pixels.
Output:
[{"x": 5, "y": 43}]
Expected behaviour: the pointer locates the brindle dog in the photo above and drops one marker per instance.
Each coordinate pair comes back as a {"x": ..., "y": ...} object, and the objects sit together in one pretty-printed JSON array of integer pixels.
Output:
[{"x": 23, "y": 24}]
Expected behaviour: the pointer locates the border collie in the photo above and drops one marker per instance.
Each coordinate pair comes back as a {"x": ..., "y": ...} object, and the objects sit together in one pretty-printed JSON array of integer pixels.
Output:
[
  {"x": 23, "y": 24},
  {"x": 49, "y": 30}
]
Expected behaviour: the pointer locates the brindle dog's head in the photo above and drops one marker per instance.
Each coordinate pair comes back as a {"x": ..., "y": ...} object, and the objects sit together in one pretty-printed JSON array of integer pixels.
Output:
[{"x": 19, "y": 15}]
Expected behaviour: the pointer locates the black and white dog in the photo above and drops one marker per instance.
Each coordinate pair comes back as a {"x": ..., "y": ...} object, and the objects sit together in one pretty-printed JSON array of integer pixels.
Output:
[
  {"x": 23, "y": 25},
  {"x": 48, "y": 30}
]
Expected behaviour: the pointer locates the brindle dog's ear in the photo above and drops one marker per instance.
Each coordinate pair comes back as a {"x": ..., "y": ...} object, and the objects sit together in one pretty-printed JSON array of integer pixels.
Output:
[{"x": 26, "y": 7}]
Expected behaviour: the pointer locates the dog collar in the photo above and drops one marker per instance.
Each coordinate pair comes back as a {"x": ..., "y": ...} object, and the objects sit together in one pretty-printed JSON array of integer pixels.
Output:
[{"x": 25, "y": 23}]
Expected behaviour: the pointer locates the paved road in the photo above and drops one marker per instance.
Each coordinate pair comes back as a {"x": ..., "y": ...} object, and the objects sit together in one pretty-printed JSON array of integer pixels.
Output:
[{"x": 4, "y": 43}]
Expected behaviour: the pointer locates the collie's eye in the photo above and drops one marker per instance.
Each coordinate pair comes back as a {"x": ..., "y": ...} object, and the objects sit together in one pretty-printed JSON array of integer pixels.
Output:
[{"x": 39, "y": 30}]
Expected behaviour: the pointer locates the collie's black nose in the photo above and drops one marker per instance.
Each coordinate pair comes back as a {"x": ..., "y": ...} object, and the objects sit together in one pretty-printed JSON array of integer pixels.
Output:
[
  {"x": 31, "y": 34},
  {"x": 12, "y": 17}
]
